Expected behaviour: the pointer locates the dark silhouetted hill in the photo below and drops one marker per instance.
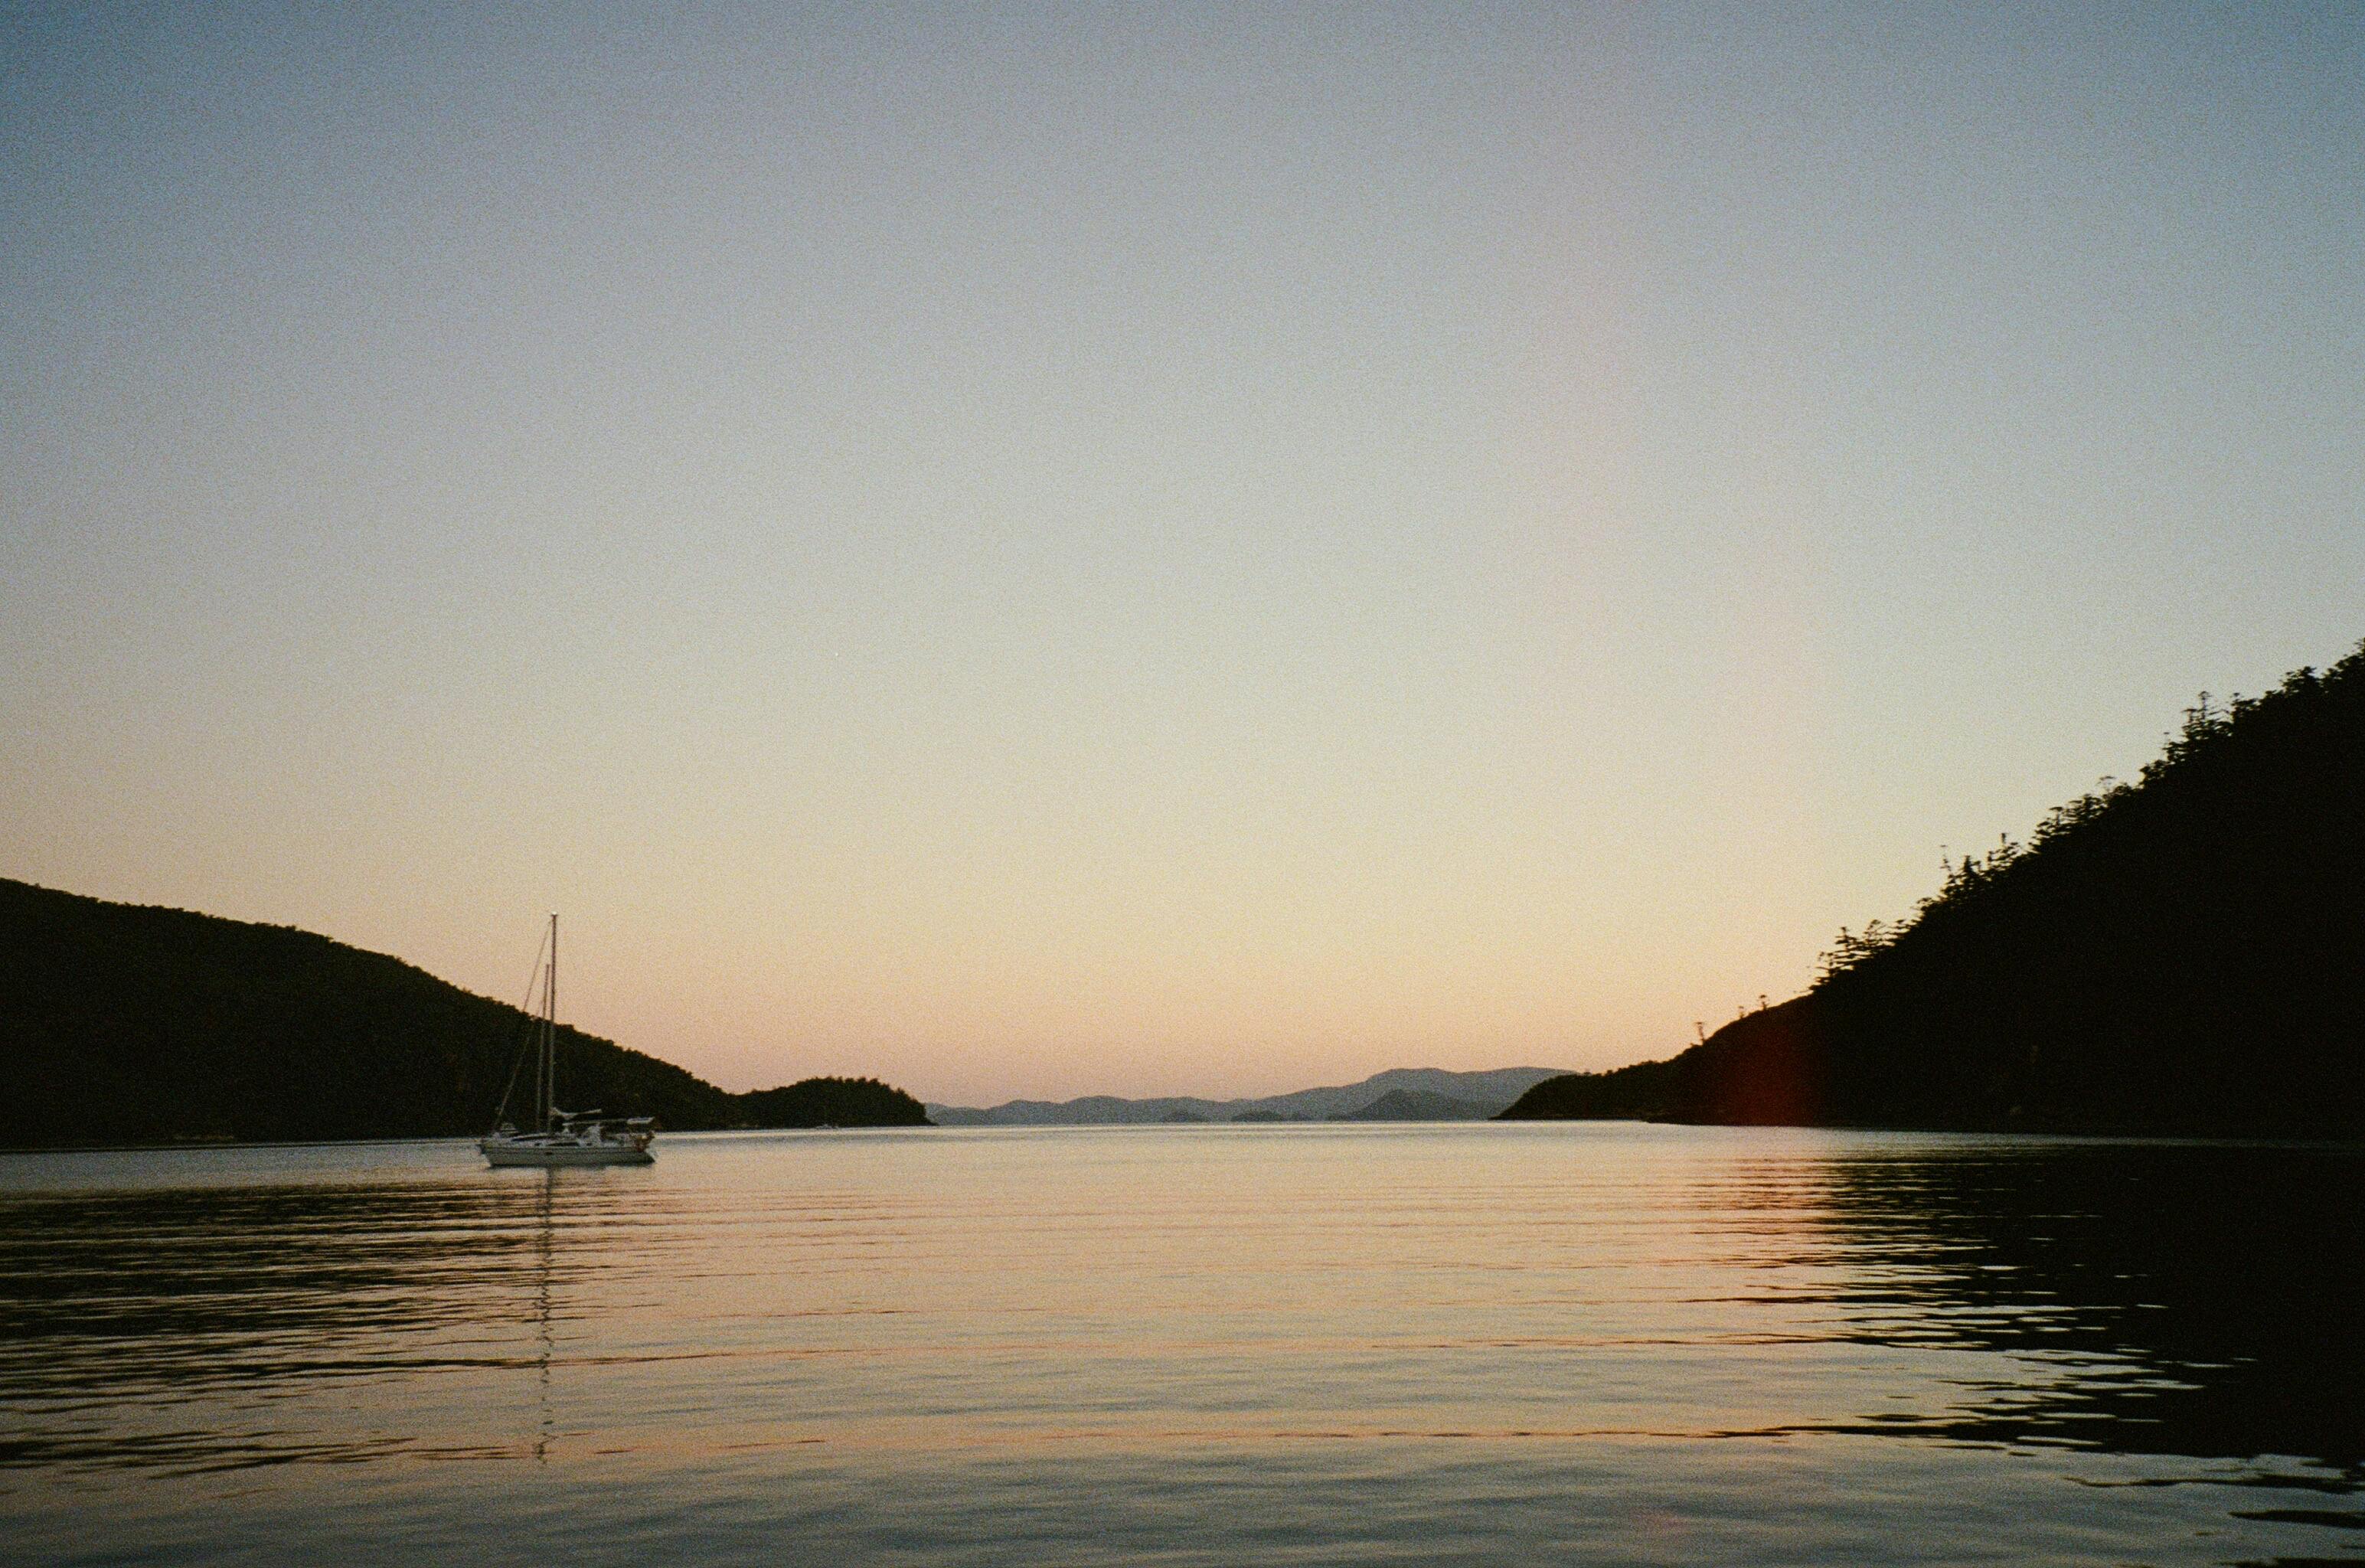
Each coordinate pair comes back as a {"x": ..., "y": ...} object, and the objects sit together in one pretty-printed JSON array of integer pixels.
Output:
[
  {"x": 1644, "y": 1091},
  {"x": 830, "y": 1103},
  {"x": 121, "y": 1023},
  {"x": 2185, "y": 954}
]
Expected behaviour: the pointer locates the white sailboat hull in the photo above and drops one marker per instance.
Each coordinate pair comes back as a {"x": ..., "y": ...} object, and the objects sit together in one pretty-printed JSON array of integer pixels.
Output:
[{"x": 506, "y": 1151}]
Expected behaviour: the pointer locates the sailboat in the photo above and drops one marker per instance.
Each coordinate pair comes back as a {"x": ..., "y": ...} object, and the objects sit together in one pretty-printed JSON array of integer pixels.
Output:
[{"x": 562, "y": 1137}]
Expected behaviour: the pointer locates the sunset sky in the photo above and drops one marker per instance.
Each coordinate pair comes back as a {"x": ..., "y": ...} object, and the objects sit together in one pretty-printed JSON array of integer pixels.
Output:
[{"x": 1143, "y": 550}]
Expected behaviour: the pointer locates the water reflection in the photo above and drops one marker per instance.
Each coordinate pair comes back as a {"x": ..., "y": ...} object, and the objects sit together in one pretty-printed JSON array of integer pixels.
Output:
[
  {"x": 2195, "y": 1300},
  {"x": 546, "y": 1243},
  {"x": 181, "y": 1328},
  {"x": 1444, "y": 1341}
]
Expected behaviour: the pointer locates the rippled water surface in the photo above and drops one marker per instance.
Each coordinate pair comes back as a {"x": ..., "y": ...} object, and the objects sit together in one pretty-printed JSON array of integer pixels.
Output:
[{"x": 1294, "y": 1345}]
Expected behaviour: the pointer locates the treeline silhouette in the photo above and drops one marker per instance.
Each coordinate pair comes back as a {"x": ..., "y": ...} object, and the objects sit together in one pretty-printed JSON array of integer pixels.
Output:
[
  {"x": 2184, "y": 954},
  {"x": 127, "y": 1025},
  {"x": 832, "y": 1102}
]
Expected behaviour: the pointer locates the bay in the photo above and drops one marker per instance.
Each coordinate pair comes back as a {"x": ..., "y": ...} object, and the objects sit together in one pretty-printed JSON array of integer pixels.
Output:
[{"x": 1476, "y": 1344}]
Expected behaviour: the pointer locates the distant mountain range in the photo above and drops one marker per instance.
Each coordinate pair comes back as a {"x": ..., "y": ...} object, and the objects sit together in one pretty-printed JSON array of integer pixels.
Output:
[{"x": 1399, "y": 1094}]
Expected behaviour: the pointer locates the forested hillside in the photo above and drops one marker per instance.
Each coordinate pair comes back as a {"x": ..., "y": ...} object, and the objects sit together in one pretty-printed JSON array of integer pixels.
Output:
[
  {"x": 2181, "y": 954},
  {"x": 832, "y": 1102},
  {"x": 123, "y": 1024}
]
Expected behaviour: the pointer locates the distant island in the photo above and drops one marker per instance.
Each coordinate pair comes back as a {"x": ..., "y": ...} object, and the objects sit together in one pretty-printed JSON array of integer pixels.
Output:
[
  {"x": 1399, "y": 1094},
  {"x": 124, "y": 1023},
  {"x": 2180, "y": 954}
]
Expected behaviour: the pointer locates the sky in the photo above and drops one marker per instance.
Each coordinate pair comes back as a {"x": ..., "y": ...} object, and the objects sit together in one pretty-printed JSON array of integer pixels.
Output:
[{"x": 1133, "y": 549}]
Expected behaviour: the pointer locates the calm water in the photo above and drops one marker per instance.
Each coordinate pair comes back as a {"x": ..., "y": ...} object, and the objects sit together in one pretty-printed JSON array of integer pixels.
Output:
[{"x": 1288, "y": 1345}]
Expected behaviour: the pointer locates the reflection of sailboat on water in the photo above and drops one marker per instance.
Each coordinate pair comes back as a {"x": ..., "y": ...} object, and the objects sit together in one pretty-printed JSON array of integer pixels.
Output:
[
  {"x": 544, "y": 1340},
  {"x": 562, "y": 1137}
]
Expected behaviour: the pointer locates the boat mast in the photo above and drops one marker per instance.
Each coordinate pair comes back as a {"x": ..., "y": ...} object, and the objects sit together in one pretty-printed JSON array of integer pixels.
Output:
[{"x": 550, "y": 1031}]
